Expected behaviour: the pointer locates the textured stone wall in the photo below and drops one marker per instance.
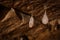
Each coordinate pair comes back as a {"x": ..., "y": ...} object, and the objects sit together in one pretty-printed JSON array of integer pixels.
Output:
[{"x": 15, "y": 16}]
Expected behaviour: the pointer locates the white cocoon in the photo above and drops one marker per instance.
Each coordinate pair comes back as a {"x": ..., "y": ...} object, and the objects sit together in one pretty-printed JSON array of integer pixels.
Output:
[
  {"x": 45, "y": 18},
  {"x": 31, "y": 22}
]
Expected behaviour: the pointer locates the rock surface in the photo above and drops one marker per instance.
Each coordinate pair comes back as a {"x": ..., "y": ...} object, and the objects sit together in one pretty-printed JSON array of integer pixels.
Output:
[{"x": 15, "y": 24}]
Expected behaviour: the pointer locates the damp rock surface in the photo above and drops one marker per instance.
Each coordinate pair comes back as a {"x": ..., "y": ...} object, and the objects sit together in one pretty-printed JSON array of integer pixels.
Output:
[{"x": 15, "y": 16}]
